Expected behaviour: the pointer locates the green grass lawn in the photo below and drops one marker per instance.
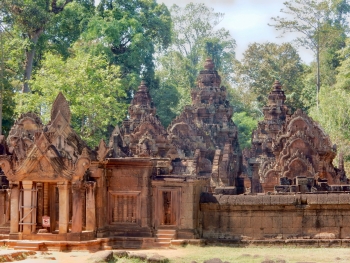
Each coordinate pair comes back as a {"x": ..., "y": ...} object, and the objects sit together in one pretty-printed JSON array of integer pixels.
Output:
[{"x": 250, "y": 254}]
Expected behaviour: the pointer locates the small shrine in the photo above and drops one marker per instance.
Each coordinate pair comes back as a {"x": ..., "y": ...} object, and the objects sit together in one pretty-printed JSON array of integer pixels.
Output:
[
  {"x": 45, "y": 166},
  {"x": 291, "y": 152}
]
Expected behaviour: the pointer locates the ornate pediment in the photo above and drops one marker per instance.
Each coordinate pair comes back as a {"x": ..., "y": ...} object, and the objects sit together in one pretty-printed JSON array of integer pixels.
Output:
[
  {"x": 61, "y": 106},
  {"x": 45, "y": 153}
]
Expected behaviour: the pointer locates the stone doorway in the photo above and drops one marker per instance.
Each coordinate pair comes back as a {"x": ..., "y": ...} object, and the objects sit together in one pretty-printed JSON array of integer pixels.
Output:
[{"x": 168, "y": 207}]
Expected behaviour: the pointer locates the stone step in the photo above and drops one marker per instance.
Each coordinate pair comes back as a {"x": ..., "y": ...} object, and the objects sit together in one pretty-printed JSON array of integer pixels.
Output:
[
  {"x": 162, "y": 244},
  {"x": 165, "y": 236},
  {"x": 163, "y": 239},
  {"x": 34, "y": 246},
  {"x": 178, "y": 242},
  {"x": 166, "y": 231}
]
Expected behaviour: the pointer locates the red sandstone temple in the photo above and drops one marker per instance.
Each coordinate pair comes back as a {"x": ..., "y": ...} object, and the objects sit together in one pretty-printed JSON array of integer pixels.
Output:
[{"x": 152, "y": 186}]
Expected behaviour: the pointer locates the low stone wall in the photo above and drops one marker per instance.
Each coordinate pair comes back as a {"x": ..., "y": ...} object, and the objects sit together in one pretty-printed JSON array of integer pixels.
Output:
[{"x": 259, "y": 217}]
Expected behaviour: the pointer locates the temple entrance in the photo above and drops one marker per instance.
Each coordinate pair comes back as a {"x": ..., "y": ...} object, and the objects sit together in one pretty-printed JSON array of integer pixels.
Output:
[
  {"x": 168, "y": 207},
  {"x": 168, "y": 215}
]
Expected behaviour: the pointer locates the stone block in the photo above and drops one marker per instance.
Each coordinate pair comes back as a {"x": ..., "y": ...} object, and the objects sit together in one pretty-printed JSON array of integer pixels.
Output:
[
  {"x": 266, "y": 199},
  {"x": 277, "y": 222},
  {"x": 232, "y": 199},
  {"x": 332, "y": 199},
  {"x": 312, "y": 199},
  {"x": 287, "y": 220},
  {"x": 223, "y": 199},
  {"x": 267, "y": 221},
  {"x": 245, "y": 221},
  {"x": 287, "y": 200},
  {"x": 274, "y": 199},
  {"x": 256, "y": 222},
  {"x": 297, "y": 221},
  {"x": 235, "y": 221},
  {"x": 344, "y": 198},
  {"x": 344, "y": 232}
]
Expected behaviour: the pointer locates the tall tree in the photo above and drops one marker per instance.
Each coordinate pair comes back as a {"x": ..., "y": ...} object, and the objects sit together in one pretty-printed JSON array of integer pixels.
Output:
[
  {"x": 129, "y": 33},
  {"x": 91, "y": 85},
  {"x": 264, "y": 63},
  {"x": 30, "y": 18},
  {"x": 195, "y": 37},
  {"x": 334, "y": 111},
  {"x": 318, "y": 23}
]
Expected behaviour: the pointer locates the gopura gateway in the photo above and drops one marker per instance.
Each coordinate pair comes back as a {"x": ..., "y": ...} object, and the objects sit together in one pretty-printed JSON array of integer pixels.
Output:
[{"x": 152, "y": 186}]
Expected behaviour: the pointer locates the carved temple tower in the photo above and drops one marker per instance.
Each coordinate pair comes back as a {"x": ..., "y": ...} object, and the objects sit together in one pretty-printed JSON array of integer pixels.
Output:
[
  {"x": 205, "y": 131},
  {"x": 291, "y": 153},
  {"x": 141, "y": 134}
]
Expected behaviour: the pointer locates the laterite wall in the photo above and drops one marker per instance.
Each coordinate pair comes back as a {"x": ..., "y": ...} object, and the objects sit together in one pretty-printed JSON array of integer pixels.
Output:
[{"x": 309, "y": 216}]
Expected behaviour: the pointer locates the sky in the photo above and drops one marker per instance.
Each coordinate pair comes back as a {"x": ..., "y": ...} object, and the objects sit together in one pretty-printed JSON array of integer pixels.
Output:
[{"x": 247, "y": 21}]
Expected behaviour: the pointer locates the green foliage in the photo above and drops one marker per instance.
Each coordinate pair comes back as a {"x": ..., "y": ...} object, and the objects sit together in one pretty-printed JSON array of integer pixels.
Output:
[
  {"x": 246, "y": 124},
  {"x": 91, "y": 85},
  {"x": 334, "y": 111},
  {"x": 262, "y": 64},
  {"x": 129, "y": 33},
  {"x": 321, "y": 26},
  {"x": 30, "y": 19},
  {"x": 194, "y": 39}
]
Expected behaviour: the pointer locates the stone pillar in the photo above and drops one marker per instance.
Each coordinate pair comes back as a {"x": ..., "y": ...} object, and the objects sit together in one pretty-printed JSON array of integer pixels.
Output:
[
  {"x": 77, "y": 225},
  {"x": 8, "y": 205},
  {"x": 14, "y": 208},
  {"x": 90, "y": 206},
  {"x": 40, "y": 202},
  {"x": 27, "y": 206},
  {"x": 63, "y": 194}
]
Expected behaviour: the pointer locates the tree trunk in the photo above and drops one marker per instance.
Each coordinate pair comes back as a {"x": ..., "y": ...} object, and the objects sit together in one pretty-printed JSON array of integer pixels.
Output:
[{"x": 28, "y": 68}]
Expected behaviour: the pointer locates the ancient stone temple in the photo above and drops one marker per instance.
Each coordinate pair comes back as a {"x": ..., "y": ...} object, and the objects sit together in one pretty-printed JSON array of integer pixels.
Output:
[
  {"x": 150, "y": 179},
  {"x": 291, "y": 153},
  {"x": 45, "y": 166},
  {"x": 205, "y": 132},
  {"x": 152, "y": 187}
]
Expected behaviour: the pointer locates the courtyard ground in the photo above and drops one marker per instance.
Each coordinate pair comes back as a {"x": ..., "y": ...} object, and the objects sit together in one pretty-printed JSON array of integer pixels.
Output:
[{"x": 199, "y": 254}]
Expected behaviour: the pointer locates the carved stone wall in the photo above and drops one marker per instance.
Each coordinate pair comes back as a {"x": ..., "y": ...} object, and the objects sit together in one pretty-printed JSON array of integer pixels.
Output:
[{"x": 291, "y": 152}]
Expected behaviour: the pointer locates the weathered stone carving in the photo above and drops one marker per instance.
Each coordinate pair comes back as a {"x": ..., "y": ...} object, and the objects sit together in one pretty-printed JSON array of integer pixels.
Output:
[
  {"x": 287, "y": 148},
  {"x": 205, "y": 132},
  {"x": 51, "y": 152},
  {"x": 142, "y": 134}
]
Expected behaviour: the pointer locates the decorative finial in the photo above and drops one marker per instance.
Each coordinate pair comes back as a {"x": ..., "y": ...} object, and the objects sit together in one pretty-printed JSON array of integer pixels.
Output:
[
  {"x": 143, "y": 86},
  {"x": 61, "y": 105},
  {"x": 276, "y": 85},
  {"x": 209, "y": 64}
]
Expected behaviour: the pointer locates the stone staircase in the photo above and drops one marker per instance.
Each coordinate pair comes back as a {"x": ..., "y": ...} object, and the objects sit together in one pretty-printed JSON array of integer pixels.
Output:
[{"x": 164, "y": 237}]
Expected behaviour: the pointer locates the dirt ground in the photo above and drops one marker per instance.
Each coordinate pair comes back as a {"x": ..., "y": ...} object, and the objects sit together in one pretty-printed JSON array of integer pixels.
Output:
[{"x": 199, "y": 254}]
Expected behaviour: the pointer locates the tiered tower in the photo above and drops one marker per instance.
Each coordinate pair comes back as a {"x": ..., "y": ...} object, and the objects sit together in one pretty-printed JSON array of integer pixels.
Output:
[
  {"x": 141, "y": 134},
  {"x": 205, "y": 130}
]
